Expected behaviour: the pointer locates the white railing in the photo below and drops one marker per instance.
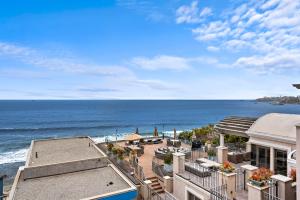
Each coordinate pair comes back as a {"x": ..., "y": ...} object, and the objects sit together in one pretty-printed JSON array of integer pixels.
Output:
[{"x": 169, "y": 196}]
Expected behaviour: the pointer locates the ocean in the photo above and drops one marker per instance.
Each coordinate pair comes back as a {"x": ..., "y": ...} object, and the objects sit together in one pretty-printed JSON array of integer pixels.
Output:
[{"x": 22, "y": 120}]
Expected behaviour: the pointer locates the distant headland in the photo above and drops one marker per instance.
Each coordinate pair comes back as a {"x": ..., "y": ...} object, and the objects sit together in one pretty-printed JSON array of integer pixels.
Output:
[{"x": 280, "y": 100}]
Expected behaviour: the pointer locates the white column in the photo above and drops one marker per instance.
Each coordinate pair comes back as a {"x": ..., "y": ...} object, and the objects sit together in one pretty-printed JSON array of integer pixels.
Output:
[
  {"x": 222, "y": 140},
  {"x": 178, "y": 163},
  {"x": 248, "y": 146},
  {"x": 272, "y": 159}
]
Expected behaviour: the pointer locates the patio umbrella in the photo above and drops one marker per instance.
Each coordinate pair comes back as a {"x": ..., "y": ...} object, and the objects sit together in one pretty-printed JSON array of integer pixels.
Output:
[
  {"x": 175, "y": 134},
  {"x": 133, "y": 137},
  {"x": 155, "y": 132}
]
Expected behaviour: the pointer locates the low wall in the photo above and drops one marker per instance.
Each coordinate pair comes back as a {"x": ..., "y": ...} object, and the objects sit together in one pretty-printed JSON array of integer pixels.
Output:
[
  {"x": 181, "y": 188},
  {"x": 61, "y": 168}
]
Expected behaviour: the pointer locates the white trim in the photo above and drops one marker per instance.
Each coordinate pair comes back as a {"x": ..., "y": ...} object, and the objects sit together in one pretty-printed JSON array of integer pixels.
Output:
[
  {"x": 273, "y": 137},
  {"x": 188, "y": 189},
  {"x": 15, "y": 183},
  {"x": 123, "y": 176},
  {"x": 271, "y": 144},
  {"x": 29, "y": 152}
]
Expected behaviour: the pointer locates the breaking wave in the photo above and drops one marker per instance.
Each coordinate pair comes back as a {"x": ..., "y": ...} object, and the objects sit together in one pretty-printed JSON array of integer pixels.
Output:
[{"x": 13, "y": 156}]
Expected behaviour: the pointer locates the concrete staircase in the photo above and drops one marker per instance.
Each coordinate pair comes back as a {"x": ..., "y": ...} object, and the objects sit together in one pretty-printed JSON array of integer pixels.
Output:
[{"x": 155, "y": 185}]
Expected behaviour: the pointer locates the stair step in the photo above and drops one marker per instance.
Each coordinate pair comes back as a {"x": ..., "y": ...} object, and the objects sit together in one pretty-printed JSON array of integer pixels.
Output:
[
  {"x": 152, "y": 179},
  {"x": 160, "y": 191},
  {"x": 156, "y": 187},
  {"x": 155, "y": 184}
]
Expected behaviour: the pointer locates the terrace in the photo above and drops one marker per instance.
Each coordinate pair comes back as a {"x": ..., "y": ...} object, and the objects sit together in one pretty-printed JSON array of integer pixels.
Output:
[{"x": 198, "y": 169}]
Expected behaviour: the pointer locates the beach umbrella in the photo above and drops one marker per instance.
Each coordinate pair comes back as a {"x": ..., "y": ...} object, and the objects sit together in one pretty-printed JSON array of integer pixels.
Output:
[
  {"x": 155, "y": 132},
  {"x": 133, "y": 137},
  {"x": 175, "y": 134}
]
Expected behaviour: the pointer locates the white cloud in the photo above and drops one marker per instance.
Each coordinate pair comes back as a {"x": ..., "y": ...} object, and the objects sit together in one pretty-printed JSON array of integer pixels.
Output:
[
  {"x": 175, "y": 63},
  {"x": 213, "y": 48},
  {"x": 259, "y": 34},
  {"x": 33, "y": 57},
  {"x": 118, "y": 78},
  {"x": 162, "y": 62},
  {"x": 206, "y": 12},
  {"x": 212, "y": 31},
  {"x": 270, "y": 62},
  {"x": 192, "y": 13}
]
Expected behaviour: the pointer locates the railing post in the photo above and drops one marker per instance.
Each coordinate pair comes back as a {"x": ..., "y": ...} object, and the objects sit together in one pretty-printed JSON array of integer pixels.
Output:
[
  {"x": 248, "y": 170},
  {"x": 284, "y": 189}
]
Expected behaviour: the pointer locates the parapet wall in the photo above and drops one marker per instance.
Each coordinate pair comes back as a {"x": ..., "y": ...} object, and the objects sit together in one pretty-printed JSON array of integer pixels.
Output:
[{"x": 62, "y": 168}]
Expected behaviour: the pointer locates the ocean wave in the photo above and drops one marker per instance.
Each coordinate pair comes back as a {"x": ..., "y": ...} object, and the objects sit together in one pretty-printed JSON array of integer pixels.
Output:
[
  {"x": 13, "y": 156},
  {"x": 62, "y": 128},
  {"x": 123, "y": 135}
]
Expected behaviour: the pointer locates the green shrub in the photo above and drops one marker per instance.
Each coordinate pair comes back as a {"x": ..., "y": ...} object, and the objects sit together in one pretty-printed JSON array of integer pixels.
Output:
[
  {"x": 200, "y": 133},
  {"x": 168, "y": 159},
  {"x": 114, "y": 150},
  {"x": 110, "y": 146},
  {"x": 235, "y": 139},
  {"x": 120, "y": 153},
  {"x": 211, "y": 153},
  {"x": 216, "y": 140}
]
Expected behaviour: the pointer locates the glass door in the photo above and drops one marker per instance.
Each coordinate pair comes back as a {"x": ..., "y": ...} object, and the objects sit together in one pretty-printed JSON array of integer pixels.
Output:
[
  {"x": 280, "y": 162},
  {"x": 263, "y": 157}
]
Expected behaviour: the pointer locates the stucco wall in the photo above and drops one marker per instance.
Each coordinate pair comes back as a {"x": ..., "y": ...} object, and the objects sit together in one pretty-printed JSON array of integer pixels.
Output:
[
  {"x": 61, "y": 168},
  {"x": 182, "y": 187}
]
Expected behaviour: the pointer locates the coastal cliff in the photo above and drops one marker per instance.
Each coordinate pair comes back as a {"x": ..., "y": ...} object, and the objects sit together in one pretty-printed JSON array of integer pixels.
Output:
[{"x": 280, "y": 100}]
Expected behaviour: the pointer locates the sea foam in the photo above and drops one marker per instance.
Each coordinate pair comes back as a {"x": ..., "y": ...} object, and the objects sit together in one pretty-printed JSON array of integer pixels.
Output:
[{"x": 13, "y": 156}]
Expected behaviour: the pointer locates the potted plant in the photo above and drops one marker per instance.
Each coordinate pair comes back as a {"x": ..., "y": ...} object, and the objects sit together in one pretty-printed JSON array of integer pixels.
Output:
[
  {"x": 293, "y": 175},
  {"x": 260, "y": 177},
  {"x": 109, "y": 147},
  {"x": 211, "y": 154},
  {"x": 226, "y": 167},
  {"x": 120, "y": 154},
  {"x": 168, "y": 159},
  {"x": 114, "y": 150}
]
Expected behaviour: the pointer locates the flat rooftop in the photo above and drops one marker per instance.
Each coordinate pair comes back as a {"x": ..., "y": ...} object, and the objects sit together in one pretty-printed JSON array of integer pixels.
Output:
[
  {"x": 46, "y": 152},
  {"x": 77, "y": 185}
]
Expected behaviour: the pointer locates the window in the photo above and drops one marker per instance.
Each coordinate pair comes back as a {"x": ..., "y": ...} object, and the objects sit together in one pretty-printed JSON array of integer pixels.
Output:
[
  {"x": 280, "y": 162},
  {"x": 260, "y": 156},
  {"x": 253, "y": 154},
  {"x": 192, "y": 197}
]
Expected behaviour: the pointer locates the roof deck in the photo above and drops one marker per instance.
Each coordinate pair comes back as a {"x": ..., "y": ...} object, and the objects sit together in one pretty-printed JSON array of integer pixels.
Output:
[
  {"x": 46, "y": 152},
  {"x": 77, "y": 185},
  {"x": 66, "y": 169}
]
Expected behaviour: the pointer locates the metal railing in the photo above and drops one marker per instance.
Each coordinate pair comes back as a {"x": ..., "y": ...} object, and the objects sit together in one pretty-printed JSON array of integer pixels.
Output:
[
  {"x": 240, "y": 181},
  {"x": 169, "y": 196},
  {"x": 203, "y": 177},
  {"x": 268, "y": 196},
  {"x": 272, "y": 192},
  {"x": 159, "y": 170},
  {"x": 219, "y": 193}
]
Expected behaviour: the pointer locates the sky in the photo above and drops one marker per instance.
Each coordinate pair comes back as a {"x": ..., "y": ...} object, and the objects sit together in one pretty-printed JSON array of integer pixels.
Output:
[{"x": 149, "y": 49}]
